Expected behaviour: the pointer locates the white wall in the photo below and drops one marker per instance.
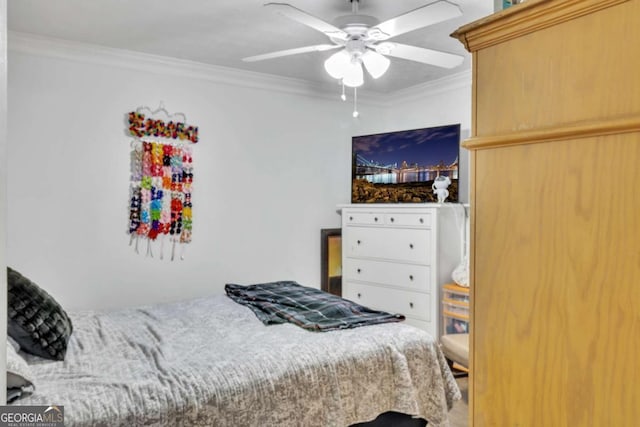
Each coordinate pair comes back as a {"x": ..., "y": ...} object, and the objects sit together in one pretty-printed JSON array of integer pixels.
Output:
[
  {"x": 269, "y": 170},
  {"x": 3, "y": 180}
]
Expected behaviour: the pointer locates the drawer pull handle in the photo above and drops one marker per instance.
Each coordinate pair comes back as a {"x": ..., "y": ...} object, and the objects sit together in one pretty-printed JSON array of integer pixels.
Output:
[
  {"x": 375, "y": 219},
  {"x": 411, "y": 277},
  {"x": 358, "y": 270},
  {"x": 410, "y": 245},
  {"x": 392, "y": 219},
  {"x": 358, "y": 242},
  {"x": 421, "y": 221},
  {"x": 350, "y": 218},
  {"x": 359, "y": 295},
  {"x": 411, "y": 304}
]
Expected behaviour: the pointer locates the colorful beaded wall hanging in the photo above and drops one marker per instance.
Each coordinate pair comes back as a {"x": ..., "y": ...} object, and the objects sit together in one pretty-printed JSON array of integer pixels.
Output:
[{"x": 161, "y": 180}]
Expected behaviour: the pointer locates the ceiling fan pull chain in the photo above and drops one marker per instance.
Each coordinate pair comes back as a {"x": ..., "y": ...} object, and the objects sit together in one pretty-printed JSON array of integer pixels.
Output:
[
  {"x": 355, "y": 103},
  {"x": 343, "y": 96}
]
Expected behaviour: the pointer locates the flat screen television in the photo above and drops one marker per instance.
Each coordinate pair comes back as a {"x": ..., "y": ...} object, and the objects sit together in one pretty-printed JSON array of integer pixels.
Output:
[{"x": 400, "y": 167}]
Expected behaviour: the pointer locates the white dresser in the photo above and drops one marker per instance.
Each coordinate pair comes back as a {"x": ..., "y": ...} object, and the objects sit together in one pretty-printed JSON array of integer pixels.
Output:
[{"x": 397, "y": 257}]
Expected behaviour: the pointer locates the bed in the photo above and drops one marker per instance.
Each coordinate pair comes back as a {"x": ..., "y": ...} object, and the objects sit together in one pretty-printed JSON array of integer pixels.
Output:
[{"x": 211, "y": 362}]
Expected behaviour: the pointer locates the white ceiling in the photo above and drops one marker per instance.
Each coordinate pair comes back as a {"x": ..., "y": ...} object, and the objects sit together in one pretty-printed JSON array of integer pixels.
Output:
[{"x": 222, "y": 32}]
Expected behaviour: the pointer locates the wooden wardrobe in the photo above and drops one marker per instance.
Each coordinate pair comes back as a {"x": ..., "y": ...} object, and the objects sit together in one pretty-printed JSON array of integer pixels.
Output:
[{"x": 555, "y": 196}]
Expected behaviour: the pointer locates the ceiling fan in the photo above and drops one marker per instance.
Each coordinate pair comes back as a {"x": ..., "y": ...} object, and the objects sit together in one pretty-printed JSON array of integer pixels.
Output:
[{"x": 362, "y": 39}]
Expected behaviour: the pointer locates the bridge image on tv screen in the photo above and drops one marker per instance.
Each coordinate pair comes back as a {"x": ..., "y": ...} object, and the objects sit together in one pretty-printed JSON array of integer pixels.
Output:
[{"x": 400, "y": 167}]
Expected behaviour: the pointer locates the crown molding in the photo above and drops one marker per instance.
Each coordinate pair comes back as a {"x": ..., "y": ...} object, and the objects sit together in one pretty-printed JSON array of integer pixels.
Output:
[
  {"x": 431, "y": 88},
  {"x": 156, "y": 64}
]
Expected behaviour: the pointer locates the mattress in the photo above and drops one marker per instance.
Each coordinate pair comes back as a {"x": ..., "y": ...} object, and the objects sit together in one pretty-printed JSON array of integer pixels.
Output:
[{"x": 211, "y": 362}]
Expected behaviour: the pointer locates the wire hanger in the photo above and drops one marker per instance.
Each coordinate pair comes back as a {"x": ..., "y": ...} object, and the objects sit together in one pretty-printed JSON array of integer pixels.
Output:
[{"x": 161, "y": 110}]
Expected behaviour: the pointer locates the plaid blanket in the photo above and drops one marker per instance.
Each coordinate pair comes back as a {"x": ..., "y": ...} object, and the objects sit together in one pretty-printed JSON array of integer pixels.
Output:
[{"x": 309, "y": 308}]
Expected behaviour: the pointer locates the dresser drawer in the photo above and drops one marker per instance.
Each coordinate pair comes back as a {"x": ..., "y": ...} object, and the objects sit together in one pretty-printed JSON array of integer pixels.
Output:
[
  {"x": 364, "y": 218},
  {"x": 414, "y": 304},
  {"x": 400, "y": 219},
  {"x": 414, "y": 277},
  {"x": 386, "y": 243},
  {"x": 409, "y": 219}
]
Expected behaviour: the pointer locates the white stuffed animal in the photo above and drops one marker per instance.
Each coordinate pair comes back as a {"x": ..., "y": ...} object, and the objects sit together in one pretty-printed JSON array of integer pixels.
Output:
[{"x": 439, "y": 187}]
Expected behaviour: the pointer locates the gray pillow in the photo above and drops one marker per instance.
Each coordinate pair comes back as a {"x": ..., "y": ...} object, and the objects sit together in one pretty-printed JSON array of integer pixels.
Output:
[
  {"x": 35, "y": 320},
  {"x": 19, "y": 376}
]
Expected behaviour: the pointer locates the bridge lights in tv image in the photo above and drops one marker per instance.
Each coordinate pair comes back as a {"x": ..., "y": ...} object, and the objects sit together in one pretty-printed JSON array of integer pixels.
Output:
[{"x": 400, "y": 167}]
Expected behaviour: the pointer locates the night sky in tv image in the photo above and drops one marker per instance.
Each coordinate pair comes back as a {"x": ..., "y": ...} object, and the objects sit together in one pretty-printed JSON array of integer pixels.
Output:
[
  {"x": 426, "y": 147},
  {"x": 400, "y": 167}
]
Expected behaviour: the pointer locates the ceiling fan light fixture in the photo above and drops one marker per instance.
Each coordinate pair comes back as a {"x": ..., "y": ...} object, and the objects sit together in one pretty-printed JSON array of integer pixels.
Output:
[
  {"x": 337, "y": 64},
  {"x": 353, "y": 75},
  {"x": 375, "y": 63}
]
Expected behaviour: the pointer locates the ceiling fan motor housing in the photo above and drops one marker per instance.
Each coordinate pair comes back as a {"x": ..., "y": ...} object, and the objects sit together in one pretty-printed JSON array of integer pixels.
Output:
[
  {"x": 355, "y": 24},
  {"x": 356, "y": 46}
]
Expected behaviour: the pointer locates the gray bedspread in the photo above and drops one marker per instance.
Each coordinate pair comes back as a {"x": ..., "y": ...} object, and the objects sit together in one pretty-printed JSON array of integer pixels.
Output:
[{"x": 211, "y": 362}]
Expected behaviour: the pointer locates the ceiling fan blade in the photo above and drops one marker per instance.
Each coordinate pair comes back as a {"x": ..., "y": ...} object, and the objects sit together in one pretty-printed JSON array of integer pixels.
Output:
[
  {"x": 418, "y": 18},
  {"x": 308, "y": 20},
  {"x": 419, "y": 54},
  {"x": 287, "y": 52}
]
